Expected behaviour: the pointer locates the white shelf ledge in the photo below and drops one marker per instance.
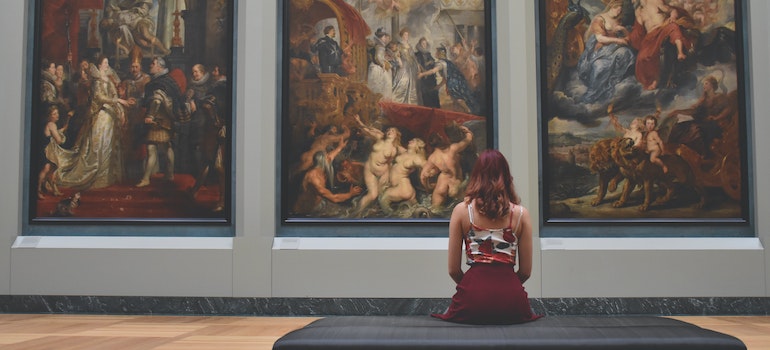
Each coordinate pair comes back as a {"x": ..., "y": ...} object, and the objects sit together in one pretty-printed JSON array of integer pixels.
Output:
[
  {"x": 360, "y": 243},
  {"x": 100, "y": 242},
  {"x": 640, "y": 243}
]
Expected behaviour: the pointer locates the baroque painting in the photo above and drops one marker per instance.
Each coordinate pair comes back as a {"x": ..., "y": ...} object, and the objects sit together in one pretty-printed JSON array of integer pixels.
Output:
[
  {"x": 643, "y": 110},
  {"x": 386, "y": 105},
  {"x": 131, "y": 115}
]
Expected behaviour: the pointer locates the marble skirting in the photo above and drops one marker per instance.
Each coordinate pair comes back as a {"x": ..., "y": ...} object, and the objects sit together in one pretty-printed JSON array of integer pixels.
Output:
[{"x": 138, "y": 305}]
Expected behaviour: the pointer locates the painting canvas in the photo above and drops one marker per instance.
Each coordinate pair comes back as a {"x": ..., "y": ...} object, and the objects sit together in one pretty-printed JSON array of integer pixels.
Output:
[
  {"x": 131, "y": 112},
  {"x": 643, "y": 114},
  {"x": 385, "y": 106}
]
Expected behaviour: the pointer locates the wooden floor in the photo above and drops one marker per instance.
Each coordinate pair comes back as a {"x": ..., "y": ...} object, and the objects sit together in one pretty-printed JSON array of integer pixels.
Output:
[{"x": 61, "y": 332}]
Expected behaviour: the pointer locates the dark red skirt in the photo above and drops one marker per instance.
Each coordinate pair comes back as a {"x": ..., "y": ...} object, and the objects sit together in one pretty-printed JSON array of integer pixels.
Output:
[{"x": 489, "y": 294}]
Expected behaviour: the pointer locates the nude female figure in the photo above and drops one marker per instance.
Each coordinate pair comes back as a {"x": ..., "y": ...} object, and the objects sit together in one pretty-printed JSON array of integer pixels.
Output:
[
  {"x": 401, "y": 188},
  {"x": 445, "y": 162},
  {"x": 386, "y": 147}
]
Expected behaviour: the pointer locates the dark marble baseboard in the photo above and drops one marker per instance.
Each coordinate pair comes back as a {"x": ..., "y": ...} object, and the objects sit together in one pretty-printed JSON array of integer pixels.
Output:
[{"x": 119, "y": 305}]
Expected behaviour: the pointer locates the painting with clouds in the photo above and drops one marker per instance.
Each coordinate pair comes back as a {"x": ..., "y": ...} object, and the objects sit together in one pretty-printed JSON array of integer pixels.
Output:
[{"x": 643, "y": 111}]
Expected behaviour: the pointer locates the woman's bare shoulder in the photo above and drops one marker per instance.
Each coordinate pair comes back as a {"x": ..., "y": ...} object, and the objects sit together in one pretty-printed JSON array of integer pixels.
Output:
[
  {"x": 461, "y": 206},
  {"x": 460, "y": 209},
  {"x": 518, "y": 208},
  {"x": 599, "y": 19}
]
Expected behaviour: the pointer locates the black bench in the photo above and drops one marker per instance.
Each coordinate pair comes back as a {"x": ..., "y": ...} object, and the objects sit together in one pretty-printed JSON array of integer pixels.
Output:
[{"x": 552, "y": 332}]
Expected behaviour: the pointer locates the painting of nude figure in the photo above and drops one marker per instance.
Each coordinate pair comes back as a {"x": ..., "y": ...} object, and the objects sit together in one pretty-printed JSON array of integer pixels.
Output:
[
  {"x": 386, "y": 105},
  {"x": 643, "y": 111},
  {"x": 131, "y": 117}
]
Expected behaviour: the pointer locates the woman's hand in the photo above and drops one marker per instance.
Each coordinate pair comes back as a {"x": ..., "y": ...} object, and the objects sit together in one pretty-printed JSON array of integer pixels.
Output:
[{"x": 130, "y": 102}]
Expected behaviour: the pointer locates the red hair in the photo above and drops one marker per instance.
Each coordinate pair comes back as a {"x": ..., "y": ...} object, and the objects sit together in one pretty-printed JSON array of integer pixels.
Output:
[{"x": 491, "y": 185}]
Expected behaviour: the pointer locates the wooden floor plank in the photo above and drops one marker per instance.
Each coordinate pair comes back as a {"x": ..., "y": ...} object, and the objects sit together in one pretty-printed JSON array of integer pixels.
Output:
[
  {"x": 222, "y": 342},
  {"x": 86, "y": 332},
  {"x": 13, "y": 338}
]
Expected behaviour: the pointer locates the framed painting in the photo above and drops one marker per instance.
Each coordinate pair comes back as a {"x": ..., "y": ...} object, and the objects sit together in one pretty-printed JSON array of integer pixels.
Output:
[
  {"x": 130, "y": 116},
  {"x": 643, "y": 116},
  {"x": 385, "y": 105}
]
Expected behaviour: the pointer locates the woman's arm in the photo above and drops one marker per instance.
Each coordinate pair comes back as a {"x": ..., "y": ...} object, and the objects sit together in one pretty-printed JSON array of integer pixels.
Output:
[
  {"x": 100, "y": 95},
  {"x": 525, "y": 247},
  {"x": 455, "y": 251},
  {"x": 372, "y": 132},
  {"x": 106, "y": 94},
  {"x": 598, "y": 28},
  {"x": 431, "y": 71}
]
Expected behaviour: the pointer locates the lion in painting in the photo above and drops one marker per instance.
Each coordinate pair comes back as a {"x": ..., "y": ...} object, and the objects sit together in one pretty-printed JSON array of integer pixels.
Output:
[
  {"x": 602, "y": 164},
  {"x": 615, "y": 159}
]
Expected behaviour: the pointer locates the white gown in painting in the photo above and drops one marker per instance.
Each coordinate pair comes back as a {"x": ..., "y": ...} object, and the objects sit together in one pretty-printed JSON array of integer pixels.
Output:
[
  {"x": 380, "y": 78},
  {"x": 405, "y": 80},
  {"x": 95, "y": 161}
]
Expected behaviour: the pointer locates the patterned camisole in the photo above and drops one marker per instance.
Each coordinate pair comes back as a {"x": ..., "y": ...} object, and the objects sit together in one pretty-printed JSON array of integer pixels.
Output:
[{"x": 496, "y": 245}]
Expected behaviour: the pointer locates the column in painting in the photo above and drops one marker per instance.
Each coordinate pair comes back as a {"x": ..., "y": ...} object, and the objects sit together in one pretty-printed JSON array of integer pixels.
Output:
[{"x": 177, "y": 29}]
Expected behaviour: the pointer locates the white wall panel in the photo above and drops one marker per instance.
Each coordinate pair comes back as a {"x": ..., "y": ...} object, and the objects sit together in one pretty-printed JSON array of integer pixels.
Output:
[{"x": 253, "y": 267}]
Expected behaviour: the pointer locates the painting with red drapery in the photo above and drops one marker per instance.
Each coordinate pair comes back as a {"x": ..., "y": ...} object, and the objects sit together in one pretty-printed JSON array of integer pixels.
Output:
[
  {"x": 59, "y": 27},
  {"x": 131, "y": 116},
  {"x": 385, "y": 106}
]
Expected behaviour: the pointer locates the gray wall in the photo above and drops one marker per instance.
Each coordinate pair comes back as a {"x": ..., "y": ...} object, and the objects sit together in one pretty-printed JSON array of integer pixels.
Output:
[{"x": 254, "y": 264}]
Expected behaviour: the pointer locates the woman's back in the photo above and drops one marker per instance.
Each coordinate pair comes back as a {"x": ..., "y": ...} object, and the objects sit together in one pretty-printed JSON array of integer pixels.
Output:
[
  {"x": 492, "y": 240},
  {"x": 494, "y": 229}
]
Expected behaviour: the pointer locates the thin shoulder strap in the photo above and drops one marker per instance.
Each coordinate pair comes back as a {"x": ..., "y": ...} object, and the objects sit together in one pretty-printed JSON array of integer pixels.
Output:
[
  {"x": 518, "y": 222},
  {"x": 470, "y": 212}
]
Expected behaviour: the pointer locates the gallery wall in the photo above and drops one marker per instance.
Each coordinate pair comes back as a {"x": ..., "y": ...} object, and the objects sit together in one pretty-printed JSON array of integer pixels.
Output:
[{"x": 256, "y": 264}]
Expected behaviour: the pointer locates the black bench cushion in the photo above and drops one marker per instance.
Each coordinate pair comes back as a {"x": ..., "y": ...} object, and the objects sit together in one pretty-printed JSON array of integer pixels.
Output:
[{"x": 552, "y": 332}]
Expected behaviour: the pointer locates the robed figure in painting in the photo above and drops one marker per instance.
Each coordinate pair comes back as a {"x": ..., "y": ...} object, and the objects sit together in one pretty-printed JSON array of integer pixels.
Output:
[
  {"x": 675, "y": 65},
  {"x": 96, "y": 160},
  {"x": 607, "y": 57},
  {"x": 118, "y": 125},
  {"x": 390, "y": 87}
]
